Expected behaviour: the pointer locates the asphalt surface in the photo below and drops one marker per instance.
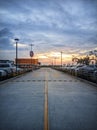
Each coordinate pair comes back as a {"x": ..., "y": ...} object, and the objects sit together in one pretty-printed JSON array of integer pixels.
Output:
[{"x": 47, "y": 97}]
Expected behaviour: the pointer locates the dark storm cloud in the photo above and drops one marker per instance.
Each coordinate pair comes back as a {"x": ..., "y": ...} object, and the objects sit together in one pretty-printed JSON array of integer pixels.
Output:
[
  {"x": 5, "y": 33},
  {"x": 5, "y": 37},
  {"x": 54, "y": 22}
]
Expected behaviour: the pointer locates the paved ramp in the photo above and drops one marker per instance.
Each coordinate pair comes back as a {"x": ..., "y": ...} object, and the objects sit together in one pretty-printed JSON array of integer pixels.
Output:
[{"x": 47, "y": 99}]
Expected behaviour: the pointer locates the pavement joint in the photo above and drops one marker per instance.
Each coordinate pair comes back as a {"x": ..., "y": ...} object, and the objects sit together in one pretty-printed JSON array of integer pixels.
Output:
[{"x": 45, "y": 80}]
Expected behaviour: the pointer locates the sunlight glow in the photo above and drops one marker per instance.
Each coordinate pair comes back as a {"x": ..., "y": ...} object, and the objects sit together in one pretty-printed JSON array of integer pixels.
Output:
[{"x": 20, "y": 45}]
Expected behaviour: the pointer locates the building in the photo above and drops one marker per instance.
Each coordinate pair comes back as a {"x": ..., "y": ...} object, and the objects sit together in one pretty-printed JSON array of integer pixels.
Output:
[{"x": 27, "y": 62}]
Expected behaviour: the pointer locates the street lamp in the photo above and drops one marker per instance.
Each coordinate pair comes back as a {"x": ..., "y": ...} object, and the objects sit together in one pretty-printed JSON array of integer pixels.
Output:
[
  {"x": 16, "y": 39},
  {"x": 61, "y": 58}
]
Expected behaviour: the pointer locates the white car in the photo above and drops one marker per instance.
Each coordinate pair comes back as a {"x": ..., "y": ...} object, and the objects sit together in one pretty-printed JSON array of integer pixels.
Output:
[
  {"x": 8, "y": 67},
  {"x": 3, "y": 74}
]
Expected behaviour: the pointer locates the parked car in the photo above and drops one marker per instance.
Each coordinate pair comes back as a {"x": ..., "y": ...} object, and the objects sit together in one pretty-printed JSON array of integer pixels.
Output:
[
  {"x": 68, "y": 68},
  {"x": 19, "y": 70},
  {"x": 86, "y": 71},
  {"x": 93, "y": 76},
  {"x": 3, "y": 74},
  {"x": 6, "y": 67},
  {"x": 75, "y": 69}
]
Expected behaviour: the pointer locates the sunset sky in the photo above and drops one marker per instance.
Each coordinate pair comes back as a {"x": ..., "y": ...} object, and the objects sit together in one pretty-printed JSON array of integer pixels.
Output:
[{"x": 52, "y": 26}]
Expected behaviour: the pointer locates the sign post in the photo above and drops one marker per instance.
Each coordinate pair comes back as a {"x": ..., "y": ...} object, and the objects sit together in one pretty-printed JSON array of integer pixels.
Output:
[{"x": 31, "y": 54}]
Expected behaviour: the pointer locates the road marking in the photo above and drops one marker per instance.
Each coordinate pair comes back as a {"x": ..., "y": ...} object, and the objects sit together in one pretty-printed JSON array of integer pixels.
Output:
[
  {"x": 59, "y": 80},
  {"x": 46, "y": 121}
]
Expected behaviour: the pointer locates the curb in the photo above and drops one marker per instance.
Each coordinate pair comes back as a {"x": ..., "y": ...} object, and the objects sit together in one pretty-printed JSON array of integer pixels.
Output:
[{"x": 86, "y": 81}]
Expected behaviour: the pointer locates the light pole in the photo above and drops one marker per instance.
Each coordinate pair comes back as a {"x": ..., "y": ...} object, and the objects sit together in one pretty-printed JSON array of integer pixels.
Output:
[
  {"x": 55, "y": 63},
  {"x": 55, "y": 60},
  {"x": 16, "y": 39},
  {"x": 61, "y": 58}
]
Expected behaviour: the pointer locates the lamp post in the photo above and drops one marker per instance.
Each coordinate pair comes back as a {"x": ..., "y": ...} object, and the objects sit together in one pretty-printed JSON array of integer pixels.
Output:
[
  {"x": 55, "y": 60},
  {"x": 16, "y": 39},
  {"x": 55, "y": 63},
  {"x": 61, "y": 58}
]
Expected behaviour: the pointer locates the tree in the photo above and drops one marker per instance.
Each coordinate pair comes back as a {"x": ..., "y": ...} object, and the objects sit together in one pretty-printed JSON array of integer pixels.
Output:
[
  {"x": 86, "y": 60},
  {"x": 80, "y": 61}
]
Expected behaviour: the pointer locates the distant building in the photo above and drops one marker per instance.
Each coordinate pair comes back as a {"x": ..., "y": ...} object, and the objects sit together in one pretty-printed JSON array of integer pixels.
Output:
[{"x": 24, "y": 62}]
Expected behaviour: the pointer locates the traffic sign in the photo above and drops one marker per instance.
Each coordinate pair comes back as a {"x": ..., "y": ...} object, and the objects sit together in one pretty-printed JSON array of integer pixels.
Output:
[{"x": 31, "y": 53}]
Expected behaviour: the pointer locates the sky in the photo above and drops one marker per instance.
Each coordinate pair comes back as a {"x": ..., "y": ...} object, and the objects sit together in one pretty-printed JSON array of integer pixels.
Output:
[{"x": 52, "y": 26}]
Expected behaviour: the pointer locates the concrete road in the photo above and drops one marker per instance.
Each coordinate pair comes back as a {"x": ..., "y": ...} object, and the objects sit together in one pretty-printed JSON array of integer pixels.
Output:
[{"x": 47, "y": 99}]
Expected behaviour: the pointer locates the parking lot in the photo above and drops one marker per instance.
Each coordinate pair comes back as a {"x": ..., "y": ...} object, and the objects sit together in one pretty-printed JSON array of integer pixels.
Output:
[
  {"x": 47, "y": 99},
  {"x": 87, "y": 72}
]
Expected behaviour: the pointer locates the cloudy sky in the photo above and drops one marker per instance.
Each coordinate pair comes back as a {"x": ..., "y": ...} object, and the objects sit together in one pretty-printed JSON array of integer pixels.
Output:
[{"x": 51, "y": 26}]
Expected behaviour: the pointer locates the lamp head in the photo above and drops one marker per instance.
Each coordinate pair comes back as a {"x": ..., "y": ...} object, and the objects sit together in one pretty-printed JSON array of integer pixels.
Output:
[{"x": 16, "y": 39}]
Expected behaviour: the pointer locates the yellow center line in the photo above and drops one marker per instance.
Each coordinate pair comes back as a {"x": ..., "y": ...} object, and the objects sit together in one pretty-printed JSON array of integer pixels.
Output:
[{"x": 46, "y": 122}]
